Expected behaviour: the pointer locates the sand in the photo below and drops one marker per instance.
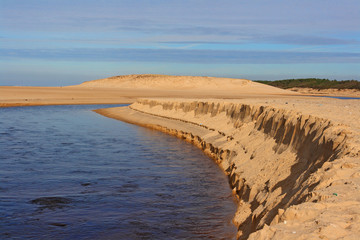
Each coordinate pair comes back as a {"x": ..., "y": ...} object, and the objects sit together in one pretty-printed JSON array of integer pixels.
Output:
[
  {"x": 328, "y": 92},
  {"x": 293, "y": 162},
  {"x": 126, "y": 89}
]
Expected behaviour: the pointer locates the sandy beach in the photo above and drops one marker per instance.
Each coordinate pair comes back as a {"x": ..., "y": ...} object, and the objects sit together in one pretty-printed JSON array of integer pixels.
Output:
[
  {"x": 292, "y": 161},
  {"x": 126, "y": 89},
  {"x": 328, "y": 92},
  {"x": 294, "y": 172}
]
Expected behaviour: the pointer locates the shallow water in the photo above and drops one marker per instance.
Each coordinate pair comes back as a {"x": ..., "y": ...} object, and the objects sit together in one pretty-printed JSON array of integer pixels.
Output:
[
  {"x": 69, "y": 173},
  {"x": 343, "y": 98}
]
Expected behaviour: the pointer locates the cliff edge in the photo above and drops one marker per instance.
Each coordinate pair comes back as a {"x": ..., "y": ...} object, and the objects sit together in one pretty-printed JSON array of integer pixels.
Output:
[{"x": 296, "y": 175}]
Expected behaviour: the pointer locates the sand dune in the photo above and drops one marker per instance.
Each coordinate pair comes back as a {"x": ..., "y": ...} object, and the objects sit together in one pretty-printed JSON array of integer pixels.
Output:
[
  {"x": 293, "y": 164},
  {"x": 188, "y": 83},
  {"x": 126, "y": 89},
  {"x": 154, "y": 81}
]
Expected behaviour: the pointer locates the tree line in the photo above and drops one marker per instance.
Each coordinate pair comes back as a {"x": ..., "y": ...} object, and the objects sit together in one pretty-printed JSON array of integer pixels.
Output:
[{"x": 315, "y": 83}]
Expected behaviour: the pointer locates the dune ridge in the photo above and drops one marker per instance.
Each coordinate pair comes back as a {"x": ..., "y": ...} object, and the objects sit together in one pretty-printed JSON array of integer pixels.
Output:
[
  {"x": 186, "y": 84},
  {"x": 127, "y": 88},
  {"x": 296, "y": 176},
  {"x": 157, "y": 81}
]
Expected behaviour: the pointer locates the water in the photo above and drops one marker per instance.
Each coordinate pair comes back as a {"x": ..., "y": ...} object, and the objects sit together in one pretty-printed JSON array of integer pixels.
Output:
[
  {"x": 343, "y": 98},
  {"x": 69, "y": 173}
]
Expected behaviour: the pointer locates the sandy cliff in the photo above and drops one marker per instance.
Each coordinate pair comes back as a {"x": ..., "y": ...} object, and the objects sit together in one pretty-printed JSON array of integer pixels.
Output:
[{"x": 292, "y": 163}]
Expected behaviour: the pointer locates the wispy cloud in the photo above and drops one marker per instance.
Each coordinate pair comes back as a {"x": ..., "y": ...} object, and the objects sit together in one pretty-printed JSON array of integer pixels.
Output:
[
  {"x": 183, "y": 56},
  {"x": 280, "y": 39},
  {"x": 308, "y": 40},
  {"x": 208, "y": 17},
  {"x": 186, "y": 32},
  {"x": 188, "y": 22}
]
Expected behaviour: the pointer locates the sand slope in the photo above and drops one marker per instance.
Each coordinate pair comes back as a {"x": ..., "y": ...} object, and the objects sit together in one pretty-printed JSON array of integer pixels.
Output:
[
  {"x": 189, "y": 83},
  {"x": 126, "y": 89},
  {"x": 154, "y": 81},
  {"x": 294, "y": 164}
]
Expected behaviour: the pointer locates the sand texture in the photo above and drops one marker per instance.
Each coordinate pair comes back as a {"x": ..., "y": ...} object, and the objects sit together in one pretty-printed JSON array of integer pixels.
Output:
[
  {"x": 292, "y": 161},
  {"x": 293, "y": 164},
  {"x": 328, "y": 92},
  {"x": 186, "y": 84},
  {"x": 30, "y": 96},
  {"x": 126, "y": 89}
]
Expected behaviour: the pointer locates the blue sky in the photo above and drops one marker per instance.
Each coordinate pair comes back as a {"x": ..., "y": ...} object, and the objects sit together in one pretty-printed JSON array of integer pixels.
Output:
[{"x": 61, "y": 42}]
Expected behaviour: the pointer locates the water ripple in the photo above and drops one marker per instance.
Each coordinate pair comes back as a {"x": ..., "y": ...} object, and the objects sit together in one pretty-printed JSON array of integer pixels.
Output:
[{"x": 68, "y": 173}]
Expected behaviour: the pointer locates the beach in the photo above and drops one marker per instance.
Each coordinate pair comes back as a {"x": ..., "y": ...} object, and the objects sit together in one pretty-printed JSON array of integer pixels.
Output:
[
  {"x": 296, "y": 175},
  {"x": 292, "y": 161},
  {"x": 328, "y": 92},
  {"x": 119, "y": 90}
]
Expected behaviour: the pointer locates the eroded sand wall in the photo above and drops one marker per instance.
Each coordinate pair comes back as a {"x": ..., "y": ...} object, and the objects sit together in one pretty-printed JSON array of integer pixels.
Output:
[{"x": 273, "y": 158}]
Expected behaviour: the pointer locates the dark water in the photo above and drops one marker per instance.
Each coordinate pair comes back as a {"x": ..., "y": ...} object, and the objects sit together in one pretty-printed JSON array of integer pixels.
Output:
[
  {"x": 69, "y": 173},
  {"x": 343, "y": 98}
]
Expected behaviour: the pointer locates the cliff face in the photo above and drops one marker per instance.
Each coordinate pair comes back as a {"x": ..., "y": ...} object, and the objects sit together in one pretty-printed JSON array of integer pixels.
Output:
[{"x": 279, "y": 163}]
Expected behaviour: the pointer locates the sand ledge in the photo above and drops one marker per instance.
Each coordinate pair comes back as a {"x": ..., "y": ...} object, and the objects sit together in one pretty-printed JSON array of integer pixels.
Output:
[{"x": 287, "y": 169}]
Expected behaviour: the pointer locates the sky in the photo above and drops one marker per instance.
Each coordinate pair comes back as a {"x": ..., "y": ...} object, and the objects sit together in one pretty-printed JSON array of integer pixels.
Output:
[{"x": 62, "y": 42}]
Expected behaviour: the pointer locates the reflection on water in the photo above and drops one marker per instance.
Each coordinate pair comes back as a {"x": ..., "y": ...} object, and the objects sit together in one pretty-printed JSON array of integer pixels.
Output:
[{"x": 68, "y": 173}]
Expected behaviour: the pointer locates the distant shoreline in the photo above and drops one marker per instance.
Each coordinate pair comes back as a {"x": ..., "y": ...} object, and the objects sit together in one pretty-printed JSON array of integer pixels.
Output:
[
  {"x": 315, "y": 86},
  {"x": 328, "y": 92},
  {"x": 314, "y": 83}
]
